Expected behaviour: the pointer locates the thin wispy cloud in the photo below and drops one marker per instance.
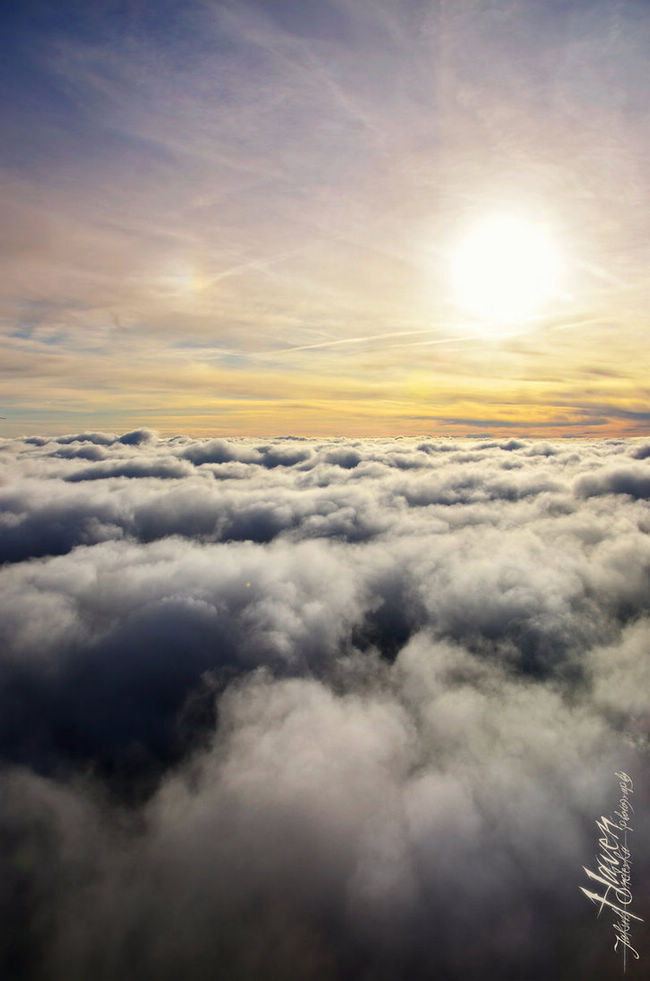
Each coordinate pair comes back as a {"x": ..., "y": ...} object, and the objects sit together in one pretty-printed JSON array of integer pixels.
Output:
[{"x": 275, "y": 179}]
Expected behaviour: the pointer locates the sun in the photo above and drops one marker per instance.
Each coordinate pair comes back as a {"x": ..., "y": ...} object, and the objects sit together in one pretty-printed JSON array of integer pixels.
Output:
[{"x": 506, "y": 270}]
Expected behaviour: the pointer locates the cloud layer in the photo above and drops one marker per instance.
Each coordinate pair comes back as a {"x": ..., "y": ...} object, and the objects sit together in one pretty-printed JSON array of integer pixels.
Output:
[{"x": 317, "y": 709}]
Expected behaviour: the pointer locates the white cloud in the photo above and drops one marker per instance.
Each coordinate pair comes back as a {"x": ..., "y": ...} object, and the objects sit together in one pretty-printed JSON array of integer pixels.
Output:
[{"x": 338, "y": 710}]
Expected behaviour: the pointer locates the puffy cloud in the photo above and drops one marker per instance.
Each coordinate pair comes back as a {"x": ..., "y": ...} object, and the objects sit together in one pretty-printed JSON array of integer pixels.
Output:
[
  {"x": 163, "y": 468},
  {"x": 317, "y": 709},
  {"x": 631, "y": 480},
  {"x": 102, "y": 439},
  {"x": 139, "y": 437},
  {"x": 641, "y": 452}
]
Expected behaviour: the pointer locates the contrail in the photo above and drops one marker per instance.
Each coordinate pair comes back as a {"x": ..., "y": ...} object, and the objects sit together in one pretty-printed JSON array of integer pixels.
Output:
[
  {"x": 344, "y": 340},
  {"x": 259, "y": 264},
  {"x": 601, "y": 273},
  {"x": 479, "y": 333}
]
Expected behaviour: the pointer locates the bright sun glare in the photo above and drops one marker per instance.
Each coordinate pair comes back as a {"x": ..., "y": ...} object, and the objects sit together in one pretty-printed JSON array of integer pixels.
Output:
[{"x": 506, "y": 270}]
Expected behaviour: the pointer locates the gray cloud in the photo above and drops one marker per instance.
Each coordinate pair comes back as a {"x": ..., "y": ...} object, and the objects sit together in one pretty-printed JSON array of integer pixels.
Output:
[
  {"x": 317, "y": 709},
  {"x": 631, "y": 480}
]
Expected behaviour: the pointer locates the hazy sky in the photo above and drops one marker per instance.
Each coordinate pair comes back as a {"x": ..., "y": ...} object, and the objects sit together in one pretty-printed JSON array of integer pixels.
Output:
[{"x": 240, "y": 217}]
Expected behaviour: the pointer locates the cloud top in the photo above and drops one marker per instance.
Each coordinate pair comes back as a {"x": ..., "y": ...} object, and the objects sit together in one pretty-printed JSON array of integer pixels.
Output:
[{"x": 265, "y": 706}]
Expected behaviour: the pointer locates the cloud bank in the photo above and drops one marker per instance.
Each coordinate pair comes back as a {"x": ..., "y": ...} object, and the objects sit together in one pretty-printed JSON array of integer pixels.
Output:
[{"x": 314, "y": 710}]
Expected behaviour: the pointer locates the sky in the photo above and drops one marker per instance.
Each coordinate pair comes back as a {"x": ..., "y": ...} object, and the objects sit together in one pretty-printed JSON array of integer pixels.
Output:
[
  {"x": 243, "y": 218},
  {"x": 320, "y": 710}
]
